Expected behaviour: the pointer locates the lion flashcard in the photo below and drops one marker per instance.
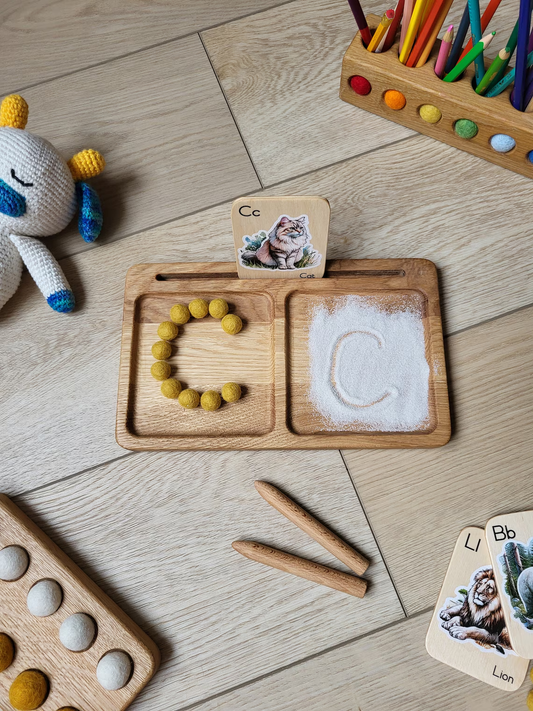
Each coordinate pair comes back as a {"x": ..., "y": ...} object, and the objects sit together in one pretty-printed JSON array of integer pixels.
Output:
[
  {"x": 510, "y": 542},
  {"x": 468, "y": 629}
]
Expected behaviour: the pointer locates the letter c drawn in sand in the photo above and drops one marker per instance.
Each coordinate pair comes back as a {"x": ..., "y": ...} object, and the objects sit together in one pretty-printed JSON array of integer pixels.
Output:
[{"x": 339, "y": 391}]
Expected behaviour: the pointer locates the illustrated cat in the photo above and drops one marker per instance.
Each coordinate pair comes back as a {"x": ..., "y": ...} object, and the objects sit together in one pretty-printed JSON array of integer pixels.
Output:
[{"x": 284, "y": 245}]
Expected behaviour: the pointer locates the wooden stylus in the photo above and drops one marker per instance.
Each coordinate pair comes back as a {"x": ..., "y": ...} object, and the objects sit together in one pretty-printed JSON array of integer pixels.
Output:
[
  {"x": 309, "y": 524},
  {"x": 303, "y": 568}
]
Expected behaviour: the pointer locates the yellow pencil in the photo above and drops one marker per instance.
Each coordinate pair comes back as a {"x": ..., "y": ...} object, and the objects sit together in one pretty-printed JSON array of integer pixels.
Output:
[
  {"x": 416, "y": 17},
  {"x": 378, "y": 35}
]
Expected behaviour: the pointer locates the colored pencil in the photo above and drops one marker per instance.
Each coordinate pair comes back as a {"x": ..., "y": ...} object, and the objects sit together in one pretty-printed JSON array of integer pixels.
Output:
[
  {"x": 391, "y": 32},
  {"x": 427, "y": 9},
  {"x": 485, "y": 19},
  {"x": 412, "y": 30},
  {"x": 475, "y": 24},
  {"x": 457, "y": 45},
  {"x": 422, "y": 58},
  {"x": 524, "y": 22},
  {"x": 507, "y": 79},
  {"x": 381, "y": 31},
  {"x": 492, "y": 71},
  {"x": 444, "y": 51},
  {"x": 528, "y": 103},
  {"x": 407, "y": 12},
  {"x": 360, "y": 19},
  {"x": 477, "y": 49},
  {"x": 510, "y": 47}
]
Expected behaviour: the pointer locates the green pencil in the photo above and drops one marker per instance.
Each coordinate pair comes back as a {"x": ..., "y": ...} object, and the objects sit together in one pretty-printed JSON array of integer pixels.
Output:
[
  {"x": 476, "y": 50},
  {"x": 501, "y": 58},
  {"x": 510, "y": 47}
]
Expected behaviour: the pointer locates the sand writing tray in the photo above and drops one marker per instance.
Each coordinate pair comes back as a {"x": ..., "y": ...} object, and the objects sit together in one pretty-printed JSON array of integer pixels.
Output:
[
  {"x": 456, "y": 100},
  {"x": 269, "y": 357},
  {"x": 71, "y": 675}
]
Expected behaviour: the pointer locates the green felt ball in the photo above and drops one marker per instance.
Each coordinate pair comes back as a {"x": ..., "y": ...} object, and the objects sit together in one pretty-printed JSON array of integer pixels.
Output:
[{"x": 465, "y": 128}]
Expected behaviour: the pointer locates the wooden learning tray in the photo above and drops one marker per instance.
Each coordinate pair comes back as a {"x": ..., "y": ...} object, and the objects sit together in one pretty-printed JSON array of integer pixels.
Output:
[
  {"x": 71, "y": 675},
  {"x": 269, "y": 357}
]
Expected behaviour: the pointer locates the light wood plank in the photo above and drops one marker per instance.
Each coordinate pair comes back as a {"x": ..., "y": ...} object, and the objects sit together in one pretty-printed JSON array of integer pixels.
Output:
[
  {"x": 280, "y": 71},
  {"x": 155, "y": 531},
  {"x": 45, "y": 38},
  {"x": 164, "y": 127},
  {"x": 419, "y": 501},
  {"x": 389, "y": 670}
]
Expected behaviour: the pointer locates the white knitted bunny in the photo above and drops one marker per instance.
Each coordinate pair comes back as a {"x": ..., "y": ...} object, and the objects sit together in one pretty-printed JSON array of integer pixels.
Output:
[{"x": 38, "y": 195}]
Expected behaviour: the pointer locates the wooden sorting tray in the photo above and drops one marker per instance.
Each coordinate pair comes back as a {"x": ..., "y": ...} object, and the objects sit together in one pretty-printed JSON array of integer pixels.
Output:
[
  {"x": 268, "y": 357},
  {"x": 71, "y": 675}
]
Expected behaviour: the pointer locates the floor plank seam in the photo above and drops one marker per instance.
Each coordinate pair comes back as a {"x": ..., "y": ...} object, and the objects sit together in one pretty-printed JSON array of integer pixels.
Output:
[
  {"x": 374, "y": 536},
  {"x": 231, "y": 111},
  {"x": 489, "y": 320},
  {"x": 304, "y": 660},
  {"x": 177, "y": 38}
]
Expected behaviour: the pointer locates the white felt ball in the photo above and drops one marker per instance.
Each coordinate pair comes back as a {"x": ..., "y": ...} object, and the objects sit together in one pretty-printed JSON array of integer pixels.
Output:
[
  {"x": 114, "y": 670},
  {"x": 14, "y": 563},
  {"x": 77, "y": 632},
  {"x": 44, "y": 598}
]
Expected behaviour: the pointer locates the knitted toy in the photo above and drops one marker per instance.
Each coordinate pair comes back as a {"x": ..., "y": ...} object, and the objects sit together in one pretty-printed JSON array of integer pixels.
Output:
[{"x": 38, "y": 196}]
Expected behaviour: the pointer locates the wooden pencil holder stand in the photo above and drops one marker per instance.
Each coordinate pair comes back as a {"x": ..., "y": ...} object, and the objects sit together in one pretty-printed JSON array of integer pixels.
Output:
[{"x": 456, "y": 100}]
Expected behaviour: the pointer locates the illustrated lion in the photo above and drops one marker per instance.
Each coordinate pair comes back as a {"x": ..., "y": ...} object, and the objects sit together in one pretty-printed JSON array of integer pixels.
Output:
[{"x": 480, "y": 616}]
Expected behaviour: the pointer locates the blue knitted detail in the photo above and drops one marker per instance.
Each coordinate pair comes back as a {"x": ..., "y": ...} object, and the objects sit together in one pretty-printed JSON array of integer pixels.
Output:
[
  {"x": 11, "y": 202},
  {"x": 90, "y": 220},
  {"x": 62, "y": 301}
]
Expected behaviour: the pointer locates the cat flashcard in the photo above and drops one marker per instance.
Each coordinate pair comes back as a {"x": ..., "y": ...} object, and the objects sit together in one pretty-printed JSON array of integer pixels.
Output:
[
  {"x": 468, "y": 629},
  {"x": 510, "y": 542},
  {"x": 281, "y": 237}
]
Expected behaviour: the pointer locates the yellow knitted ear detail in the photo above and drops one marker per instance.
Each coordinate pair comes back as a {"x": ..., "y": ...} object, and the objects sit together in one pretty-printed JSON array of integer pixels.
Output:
[
  {"x": 86, "y": 164},
  {"x": 14, "y": 112}
]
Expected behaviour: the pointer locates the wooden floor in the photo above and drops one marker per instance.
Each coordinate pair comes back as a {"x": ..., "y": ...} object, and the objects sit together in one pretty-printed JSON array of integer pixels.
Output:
[{"x": 194, "y": 103}]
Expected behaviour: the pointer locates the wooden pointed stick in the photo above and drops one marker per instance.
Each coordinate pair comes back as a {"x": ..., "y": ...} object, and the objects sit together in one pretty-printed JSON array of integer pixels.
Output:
[
  {"x": 310, "y": 525},
  {"x": 303, "y": 568}
]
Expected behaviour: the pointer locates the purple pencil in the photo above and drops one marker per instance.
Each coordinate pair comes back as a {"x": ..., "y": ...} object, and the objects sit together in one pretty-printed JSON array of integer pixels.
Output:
[
  {"x": 360, "y": 19},
  {"x": 444, "y": 51},
  {"x": 524, "y": 26}
]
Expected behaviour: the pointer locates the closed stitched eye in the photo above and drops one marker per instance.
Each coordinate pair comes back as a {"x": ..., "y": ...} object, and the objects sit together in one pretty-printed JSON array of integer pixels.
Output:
[{"x": 26, "y": 185}]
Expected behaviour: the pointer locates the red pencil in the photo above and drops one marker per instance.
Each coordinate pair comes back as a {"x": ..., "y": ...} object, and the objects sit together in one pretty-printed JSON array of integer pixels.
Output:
[
  {"x": 485, "y": 19},
  {"x": 391, "y": 32},
  {"x": 425, "y": 34}
]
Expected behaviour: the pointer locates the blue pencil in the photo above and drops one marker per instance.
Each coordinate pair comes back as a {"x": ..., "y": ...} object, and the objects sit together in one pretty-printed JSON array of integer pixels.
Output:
[
  {"x": 475, "y": 24},
  {"x": 507, "y": 79},
  {"x": 457, "y": 46},
  {"x": 524, "y": 22}
]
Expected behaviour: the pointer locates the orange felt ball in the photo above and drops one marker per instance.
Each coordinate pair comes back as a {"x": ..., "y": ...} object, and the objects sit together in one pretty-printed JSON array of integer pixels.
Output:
[{"x": 394, "y": 99}]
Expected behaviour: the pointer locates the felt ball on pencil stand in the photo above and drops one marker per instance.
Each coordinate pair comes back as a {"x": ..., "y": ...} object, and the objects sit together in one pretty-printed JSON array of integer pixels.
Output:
[
  {"x": 189, "y": 399},
  {"x": 180, "y": 314},
  {"x": 218, "y": 308},
  {"x": 465, "y": 128},
  {"x": 502, "y": 143},
  {"x": 430, "y": 113},
  {"x": 231, "y": 392},
  {"x": 199, "y": 308},
  {"x": 14, "y": 563},
  {"x": 360, "y": 85},
  {"x": 114, "y": 670},
  {"x": 167, "y": 331},
  {"x": 77, "y": 632},
  {"x": 530, "y": 156},
  {"x": 231, "y": 324},
  {"x": 394, "y": 99},
  {"x": 161, "y": 350},
  {"x": 161, "y": 370},
  {"x": 210, "y": 400},
  {"x": 29, "y": 690},
  {"x": 171, "y": 388},
  {"x": 44, "y": 598},
  {"x": 7, "y": 651}
]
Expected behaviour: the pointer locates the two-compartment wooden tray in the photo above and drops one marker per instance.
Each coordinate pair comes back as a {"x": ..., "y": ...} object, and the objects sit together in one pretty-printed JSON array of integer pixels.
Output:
[{"x": 269, "y": 357}]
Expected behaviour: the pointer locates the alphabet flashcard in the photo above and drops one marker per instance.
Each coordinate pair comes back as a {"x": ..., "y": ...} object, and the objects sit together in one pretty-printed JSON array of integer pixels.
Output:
[{"x": 468, "y": 629}]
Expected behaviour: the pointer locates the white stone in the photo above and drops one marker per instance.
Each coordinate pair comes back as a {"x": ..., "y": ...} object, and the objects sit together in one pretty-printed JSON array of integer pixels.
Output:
[
  {"x": 14, "y": 563},
  {"x": 114, "y": 670},
  {"x": 77, "y": 632},
  {"x": 44, "y": 598}
]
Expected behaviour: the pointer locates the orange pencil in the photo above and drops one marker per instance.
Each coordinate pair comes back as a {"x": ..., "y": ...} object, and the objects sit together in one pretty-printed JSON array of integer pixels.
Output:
[
  {"x": 433, "y": 36},
  {"x": 485, "y": 19},
  {"x": 437, "y": 15}
]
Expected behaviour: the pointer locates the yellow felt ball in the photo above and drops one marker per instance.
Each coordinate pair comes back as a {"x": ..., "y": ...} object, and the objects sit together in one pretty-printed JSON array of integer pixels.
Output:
[
  {"x": 232, "y": 324},
  {"x": 199, "y": 308},
  {"x": 231, "y": 392},
  {"x": 218, "y": 308},
  {"x": 189, "y": 399},
  {"x": 180, "y": 314},
  {"x": 210, "y": 400},
  {"x": 161, "y": 370},
  {"x": 171, "y": 388},
  {"x": 67, "y": 708},
  {"x": 28, "y": 691},
  {"x": 530, "y": 697},
  {"x": 430, "y": 113},
  {"x": 7, "y": 652},
  {"x": 167, "y": 331},
  {"x": 161, "y": 350}
]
